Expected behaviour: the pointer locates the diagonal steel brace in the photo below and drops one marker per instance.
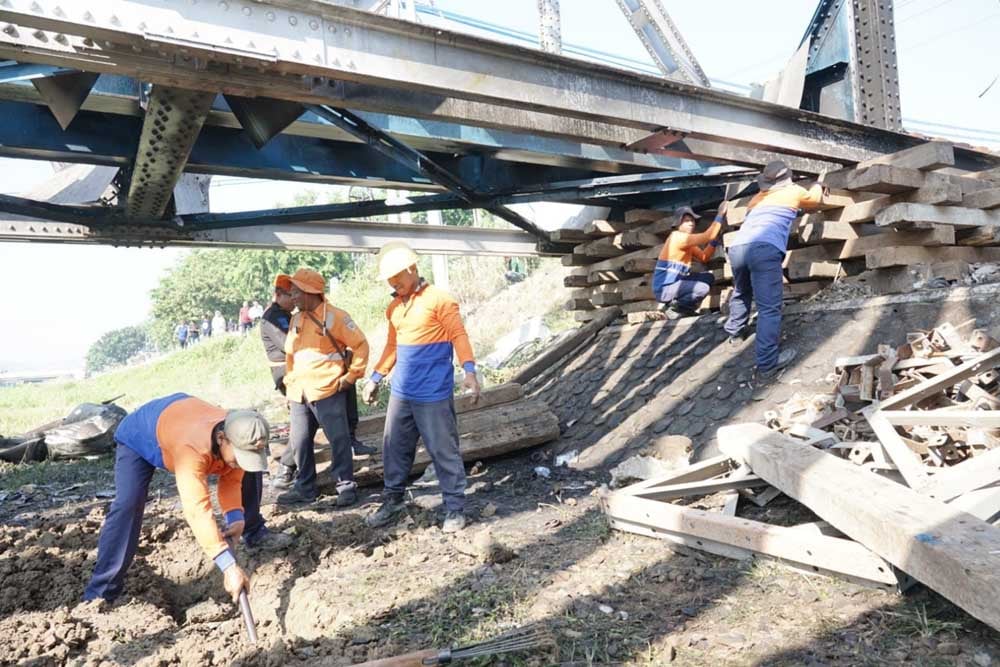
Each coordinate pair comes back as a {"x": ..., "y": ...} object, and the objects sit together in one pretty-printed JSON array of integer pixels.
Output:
[{"x": 396, "y": 150}]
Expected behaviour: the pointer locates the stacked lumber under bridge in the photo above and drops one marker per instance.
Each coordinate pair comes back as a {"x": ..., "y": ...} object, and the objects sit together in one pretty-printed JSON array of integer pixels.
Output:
[
  {"x": 882, "y": 222},
  {"x": 900, "y": 461}
]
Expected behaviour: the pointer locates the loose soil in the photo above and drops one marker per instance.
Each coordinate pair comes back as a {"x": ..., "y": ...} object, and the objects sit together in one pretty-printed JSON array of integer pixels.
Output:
[{"x": 346, "y": 593}]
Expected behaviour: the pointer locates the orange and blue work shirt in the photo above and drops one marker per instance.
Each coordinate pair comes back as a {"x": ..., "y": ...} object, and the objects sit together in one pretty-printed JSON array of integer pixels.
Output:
[
  {"x": 314, "y": 363},
  {"x": 674, "y": 262},
  {"x": 425, "y": 333},
  {"x": 770, "y": 214},
  {"x": 174, "y": 433}
]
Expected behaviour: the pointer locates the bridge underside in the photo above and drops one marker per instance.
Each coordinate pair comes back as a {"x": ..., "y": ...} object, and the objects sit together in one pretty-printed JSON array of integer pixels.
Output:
[{"x": 309, "y": 91}]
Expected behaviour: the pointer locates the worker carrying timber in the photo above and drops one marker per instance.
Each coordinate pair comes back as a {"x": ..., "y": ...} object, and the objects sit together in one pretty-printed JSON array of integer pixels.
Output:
[
  {"x": 273, "y": 333},
  {"x": 192, "y": 439},
  {"x": 756, "y": 255},
  {"x": 326, "y": 353},
  {"x": 425, "y": 332},
  {"x": 673, "y": 281}
]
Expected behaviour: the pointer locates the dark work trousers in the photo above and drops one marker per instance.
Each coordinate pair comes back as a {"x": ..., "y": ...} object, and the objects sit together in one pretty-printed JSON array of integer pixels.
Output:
[
  {"x": 252, "y": 491},
  {"x": 757, "y": 276},
  {"x": 288, "y": 456},
  {"x": 405, "y": 422},
  {"x": 331, "y": 414},
  {"x": 119, "y": 537},
  {"x": 689, "y": 291}
]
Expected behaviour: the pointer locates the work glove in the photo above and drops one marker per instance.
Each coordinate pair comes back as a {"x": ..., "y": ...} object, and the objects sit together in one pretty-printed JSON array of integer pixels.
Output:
[
  {"x": 471, "y": 385},
  {"x": 369, "y": 394},
  {"x": 234, "y": 531},
  {"x": 235, "y": 580},
  {"x": 723, "y": 209}
]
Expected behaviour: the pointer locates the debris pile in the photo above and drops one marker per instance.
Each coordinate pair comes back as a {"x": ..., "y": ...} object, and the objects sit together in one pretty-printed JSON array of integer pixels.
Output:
[
  {"x": 88, "y": 430},
  {"x": 900, "y": 460},
  {"x": 890, "y": 224}
]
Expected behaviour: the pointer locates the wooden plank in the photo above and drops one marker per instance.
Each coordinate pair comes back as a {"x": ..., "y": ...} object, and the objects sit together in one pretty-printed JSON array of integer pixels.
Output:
[
  {"x": 980, "y": 364},
  {"x": 605, "y": 227},
  {"x": 865, "y": 211},
  {"x": 817, "y": 230},
  {"x": 815, "y": 552},
  {"x": 640, "y": 265},
  {"x": 989, "y": 419},
  {"x": 635, "y": 215},
  {"x": 926, "y": 157},
  {"x": 731, "y": 504},
  {"x": 556, "y": 352},
  {"x": 951, "y": 552},
  {"x": 982, "y": 503},
  {"x": 491, "y": 397},
  {"x": 969, "y": 475},
  {"x": 811, "y": 270},
  {"x": 578, "y": 304},
  {"x": 906, "y": 461},
  {"x": 576, "y": 259},
  {"x": 696, "y": 472},
  {"x": 569, "y": 235},
  {"x": 617, "y": 263},
  {"x": 606, "y": 299},
  {"x": 988, "y": 199},
  {"x": 906, "y": 214},
  {"x": 885, "y": 179},
  {"x": 708, "y": 487},
  {"x": 910, "y": 255}
]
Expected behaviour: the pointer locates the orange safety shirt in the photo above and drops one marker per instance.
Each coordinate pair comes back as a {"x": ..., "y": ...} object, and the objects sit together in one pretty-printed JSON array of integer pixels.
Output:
[
  {"x": 770, "y": 214},
  {"x": 175, "y": 433},
  {"x": 425, "y": 333},
  {"x": 674, "y": 262},
  {"x": 314, "y": 363}
]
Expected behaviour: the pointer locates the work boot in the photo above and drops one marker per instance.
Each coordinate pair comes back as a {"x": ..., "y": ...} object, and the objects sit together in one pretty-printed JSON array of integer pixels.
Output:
[
  {"x": 295, "y": 496},
  {"x": 347, "y": 496},
  {"x": 268, "y": 541},
  {"x": 361, "y": 449},
  {"x": 784, "y": 358},
  {"x": 285, "y": 477},
  {"x": 386, "y": 513},
  {"x": 736, "y": 340},
  {"x": 428, "y": 479},
  {"x": 453, "y": 522}
]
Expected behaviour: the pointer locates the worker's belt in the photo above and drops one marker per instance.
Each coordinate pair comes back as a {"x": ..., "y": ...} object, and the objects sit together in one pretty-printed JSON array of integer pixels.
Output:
[
  {"x": 307, "y": 356},
  {"x": 276, "y": 364}
]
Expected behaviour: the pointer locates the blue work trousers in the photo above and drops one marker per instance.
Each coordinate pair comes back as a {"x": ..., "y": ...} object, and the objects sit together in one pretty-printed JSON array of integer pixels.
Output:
[
  {"x": 306, "y": 419},
  {"x": 757, "y": 276},
  {"x": 407, "y": 421},
  {"x": 687, "y": 292},
  {"x": 119, "y": 537}
]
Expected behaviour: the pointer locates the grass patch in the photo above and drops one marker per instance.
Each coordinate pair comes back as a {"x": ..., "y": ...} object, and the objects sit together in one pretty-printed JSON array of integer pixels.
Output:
[
  {"x": 97, "y": 470},
  {"x": 232, "y": 372}
]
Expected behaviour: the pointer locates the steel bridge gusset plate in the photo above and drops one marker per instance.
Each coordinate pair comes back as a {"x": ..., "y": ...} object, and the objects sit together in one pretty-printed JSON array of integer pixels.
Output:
[{"x": 174, "y": 117}]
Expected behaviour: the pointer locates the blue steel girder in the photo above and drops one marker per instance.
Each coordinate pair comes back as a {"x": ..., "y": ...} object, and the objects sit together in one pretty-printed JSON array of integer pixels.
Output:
[
  {"x": 119, "y": 95},
  {"x": 30, "y": 132}
]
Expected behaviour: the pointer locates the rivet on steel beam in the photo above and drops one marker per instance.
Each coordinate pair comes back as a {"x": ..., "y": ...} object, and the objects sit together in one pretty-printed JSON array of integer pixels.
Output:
[
  {"x": 332, "y": 28},
  {"x": 270, "y": 16},
  {"x": 347, "y": 31},
  {"x": 224, "y": 6},
  {"x": 58, "y": 11},
  {"x": 62, "y": 39},
  {"x": 115, "y": 20},
  {"x": 11, "y": 30},
  {"x": 35, "y": 7},
  {"x": 89, "y": 43},
  {"x": 314, "y": 24},
  {"x": 40, "y": 36},
  {"x": 247, "y": 11},
  {"x": 87, "y": 16},
  {"x": 293, "y": 20}
]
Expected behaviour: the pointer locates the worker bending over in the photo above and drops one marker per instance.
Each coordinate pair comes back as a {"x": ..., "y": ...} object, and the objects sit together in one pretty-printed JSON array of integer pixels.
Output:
[
  {"x": 425, "y": 332},
  {"x": 326, "y": 353},
  {"x": 756, "y": 255},
  {"x": 273, "y": 332},
  {"x": 192, "y": 439},
  {"x": 673, "y": 282}
]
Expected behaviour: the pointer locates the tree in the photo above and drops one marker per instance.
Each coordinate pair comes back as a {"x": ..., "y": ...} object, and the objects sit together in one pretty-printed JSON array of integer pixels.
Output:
[
  {"x": 116, "y": 347},
  {"x": 205, "y": 281}
]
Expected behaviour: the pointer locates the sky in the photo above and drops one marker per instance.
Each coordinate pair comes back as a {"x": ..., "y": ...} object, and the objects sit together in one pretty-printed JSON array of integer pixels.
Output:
[{"x": 948, "y": 53}]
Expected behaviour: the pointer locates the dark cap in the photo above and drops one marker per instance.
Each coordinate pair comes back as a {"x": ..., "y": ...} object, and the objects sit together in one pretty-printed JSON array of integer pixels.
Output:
[
  {"x": 773, "y": 173},
  {"x": 685, "y": 210}
]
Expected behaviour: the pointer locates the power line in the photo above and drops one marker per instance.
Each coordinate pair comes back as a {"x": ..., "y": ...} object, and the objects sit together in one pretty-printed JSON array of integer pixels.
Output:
[
  {"x": 928, "y": 10},
  {"x": 938, "y": 36}
]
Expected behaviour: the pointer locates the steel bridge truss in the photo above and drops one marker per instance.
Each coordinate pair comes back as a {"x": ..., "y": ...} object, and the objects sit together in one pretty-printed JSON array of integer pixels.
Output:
[{"x": 314, "y": 91}]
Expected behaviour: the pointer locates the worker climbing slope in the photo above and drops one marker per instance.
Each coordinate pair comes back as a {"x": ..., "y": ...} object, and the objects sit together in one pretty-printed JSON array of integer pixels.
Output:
[
  {"x": 192, "y": 439},
  {"x": 425, "y": 333},
  {"x": 756, "y": 255}
]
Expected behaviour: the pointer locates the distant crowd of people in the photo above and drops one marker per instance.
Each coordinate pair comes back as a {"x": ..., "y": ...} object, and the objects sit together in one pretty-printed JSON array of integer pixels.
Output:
[{"x": 189, "y": 333}]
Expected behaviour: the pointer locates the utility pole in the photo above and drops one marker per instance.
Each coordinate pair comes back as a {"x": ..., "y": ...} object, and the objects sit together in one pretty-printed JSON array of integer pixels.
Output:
[{"x": 549, "y": 28}]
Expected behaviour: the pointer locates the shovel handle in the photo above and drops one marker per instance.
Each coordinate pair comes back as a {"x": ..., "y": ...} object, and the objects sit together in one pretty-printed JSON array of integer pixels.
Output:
[
  {"x": 248, "y": 617},
  {"x": 409, "y": 660}
]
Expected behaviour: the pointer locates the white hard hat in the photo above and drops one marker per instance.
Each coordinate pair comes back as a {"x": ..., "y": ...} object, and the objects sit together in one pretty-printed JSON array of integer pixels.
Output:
[{"x": 394, "y": 257}]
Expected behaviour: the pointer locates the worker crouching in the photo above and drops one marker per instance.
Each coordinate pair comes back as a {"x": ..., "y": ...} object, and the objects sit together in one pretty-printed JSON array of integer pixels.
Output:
[
  {"x": 320, "y": 372},
  {"x": 425, "y": 332},
  {"x": 673, "y": 282},
  {"x": 193, "y": 439}
]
